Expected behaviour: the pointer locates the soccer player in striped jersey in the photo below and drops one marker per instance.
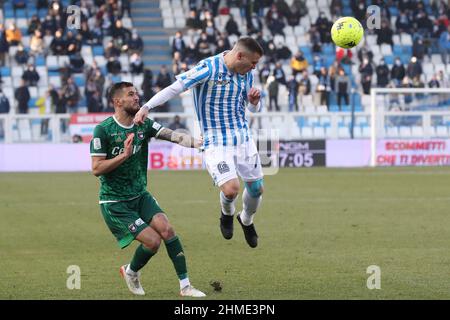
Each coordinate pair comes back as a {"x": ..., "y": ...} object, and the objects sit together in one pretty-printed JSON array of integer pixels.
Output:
[
  {"x": 119, "y": 151},
  {"x": 222, "y": 87}
]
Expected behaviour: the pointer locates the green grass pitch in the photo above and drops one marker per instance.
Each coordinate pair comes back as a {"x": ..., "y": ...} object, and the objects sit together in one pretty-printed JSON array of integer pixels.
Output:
[{"x": 320, "y": 229}]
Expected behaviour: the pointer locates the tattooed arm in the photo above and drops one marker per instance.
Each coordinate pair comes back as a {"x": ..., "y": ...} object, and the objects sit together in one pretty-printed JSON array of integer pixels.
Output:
[{"x": 182, "y": 139}]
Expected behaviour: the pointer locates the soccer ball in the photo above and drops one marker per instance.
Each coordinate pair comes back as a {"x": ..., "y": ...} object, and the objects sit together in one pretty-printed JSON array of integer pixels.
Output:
[{"x": 347, "y": 32}]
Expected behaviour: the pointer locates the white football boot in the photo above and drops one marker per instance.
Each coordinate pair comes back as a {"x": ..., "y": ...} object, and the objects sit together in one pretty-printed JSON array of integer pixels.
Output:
[
  {"x": 190, "y": 291},
  {"x": 133, "y": 282}
]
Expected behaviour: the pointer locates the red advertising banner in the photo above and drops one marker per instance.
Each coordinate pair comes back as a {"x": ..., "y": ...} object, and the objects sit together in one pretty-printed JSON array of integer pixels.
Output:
[
  {"x": 429, "y": 152},
  {"x": 83, "y": 124}
]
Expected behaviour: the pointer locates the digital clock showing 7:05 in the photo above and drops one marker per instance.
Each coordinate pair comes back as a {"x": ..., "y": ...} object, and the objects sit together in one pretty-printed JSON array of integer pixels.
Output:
[{"x": 302, "y": 153}]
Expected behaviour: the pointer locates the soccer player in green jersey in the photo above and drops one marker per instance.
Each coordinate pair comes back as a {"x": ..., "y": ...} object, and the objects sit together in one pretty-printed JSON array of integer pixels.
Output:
[{"x": 119, "y": 151}]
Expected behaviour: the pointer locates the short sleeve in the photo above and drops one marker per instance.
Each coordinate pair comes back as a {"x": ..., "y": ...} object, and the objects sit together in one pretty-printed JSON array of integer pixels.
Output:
[
  {"x": 99, "y": 143},
  {"x": 153, "y": 128},
  {"x": 197, "y": 75}
]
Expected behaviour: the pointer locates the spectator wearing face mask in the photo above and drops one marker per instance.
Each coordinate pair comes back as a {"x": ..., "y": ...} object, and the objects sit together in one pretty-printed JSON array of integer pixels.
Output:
[
  {"x": 384, "y": 34},
  {"x": 419, "y": 49},
  {"x": 414, "y": 68},
  {"x": 403, "y": 24},
  {"x": 398, "y": 71},
  {"x": 324, "y": 26},
  {"x": 360, "y": 11},
  {"x": 382, "y": 72}
]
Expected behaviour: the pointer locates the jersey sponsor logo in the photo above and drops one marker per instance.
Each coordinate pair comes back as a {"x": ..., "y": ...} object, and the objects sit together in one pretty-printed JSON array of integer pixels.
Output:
[
  {"x": 140, "y": 135},
  {"x": 139, "y": 222},
  {"x": 156, "y": 125},
  {"x": 221, "y": 80},
  {"x": 97, "y": 143},
  {"x": 223, "y": 167},
  {"x": 132, "y": 227}
]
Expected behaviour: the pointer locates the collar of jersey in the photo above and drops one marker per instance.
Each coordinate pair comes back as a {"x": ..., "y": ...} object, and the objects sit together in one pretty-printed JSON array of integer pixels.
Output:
[
  {"x": 222, "y": 57},
  {"x": 125, "y": 127}
]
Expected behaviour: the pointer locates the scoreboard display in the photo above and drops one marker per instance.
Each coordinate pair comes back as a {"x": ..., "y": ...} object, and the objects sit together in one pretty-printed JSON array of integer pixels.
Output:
[
  {"x": 302, "y": 153},
  {"x": 293, "y": 153}
]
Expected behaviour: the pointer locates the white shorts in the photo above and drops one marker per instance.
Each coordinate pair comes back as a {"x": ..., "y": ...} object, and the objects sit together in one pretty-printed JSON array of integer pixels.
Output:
[{"x": 226, "y": 163}]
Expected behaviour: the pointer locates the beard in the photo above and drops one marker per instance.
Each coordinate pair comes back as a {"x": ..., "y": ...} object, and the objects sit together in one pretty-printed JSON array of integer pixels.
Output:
[{"x": 131, "y": 109}]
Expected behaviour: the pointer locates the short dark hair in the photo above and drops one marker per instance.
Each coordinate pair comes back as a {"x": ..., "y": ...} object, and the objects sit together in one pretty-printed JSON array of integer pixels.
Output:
[
  {"x": 117, "y": 87},
  {"x": 251, "y": 45}
]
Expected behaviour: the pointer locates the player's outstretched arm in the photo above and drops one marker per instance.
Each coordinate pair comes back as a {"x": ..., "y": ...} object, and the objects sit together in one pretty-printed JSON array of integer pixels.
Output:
[
  {"x": 158, "y": 99},
  {"x": 101, "y": 165},
  {"x": 182, "y": 139}
]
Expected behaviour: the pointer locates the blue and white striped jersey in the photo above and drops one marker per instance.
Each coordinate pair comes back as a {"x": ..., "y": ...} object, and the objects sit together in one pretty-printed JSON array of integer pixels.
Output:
[{"x": 220, "y": 98}]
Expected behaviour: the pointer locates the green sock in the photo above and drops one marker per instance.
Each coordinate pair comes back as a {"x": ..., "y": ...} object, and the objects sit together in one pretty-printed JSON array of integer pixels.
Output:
[
  {"x": 176, "y": 254},
  {"x": 140, "y": 258}
]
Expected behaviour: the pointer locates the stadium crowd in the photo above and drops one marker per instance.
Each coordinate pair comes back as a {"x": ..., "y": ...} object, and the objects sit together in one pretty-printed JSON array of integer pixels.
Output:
[{"x": 310, "y": 70}]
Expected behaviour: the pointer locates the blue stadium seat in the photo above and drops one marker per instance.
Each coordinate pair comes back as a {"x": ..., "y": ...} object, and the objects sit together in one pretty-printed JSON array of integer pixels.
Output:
[
  {"x": 31, "y": 12},
  {"x": 9, "y": 14},
  {"x": 346, "y": 108},
  {"x": 328, "y": 49},
  {"x": 389, "y": 59},
  {"x": 42, "y": 13},
  {"x": 347, "y": 11},
  {"x": 329, "y": 59},
  {"x": 115, "y": 79},
  {"x": 405, "y": 58},
  {"x": 356, "y": 99},
  {"x": 358, "y": 108},
  {"x": 39, "y": 61},
  {"x": 21, "y": 13},
  {"x": 53, "y": 73},
  {"x": 32, "y": 103},
  {"x": 334, "y": 108},
  {"x": 306, "y": 49},
  {"x": 347, "y": 68},
  {"x": 393, "y": 10},
  {"x": 79, "y": 80},
  {"x": 98, "y": 51},
  {"x": 398, "y": 49},
  {"x": 5, "y": 71}
]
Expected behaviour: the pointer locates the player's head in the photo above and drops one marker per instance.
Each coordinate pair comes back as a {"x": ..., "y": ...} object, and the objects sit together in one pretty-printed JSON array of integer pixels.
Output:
[
  {"x": 123, "y": 95},
  {"x": 247, "y": 52}
]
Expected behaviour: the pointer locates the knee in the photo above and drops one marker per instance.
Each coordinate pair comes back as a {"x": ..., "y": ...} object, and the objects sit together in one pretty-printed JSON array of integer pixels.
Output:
[
  {"x": 153, "y": 243},
  {"x": 167, "y": 233},
  {"x": 231, "y": 190},
  {"x": 255, "y": 188}
]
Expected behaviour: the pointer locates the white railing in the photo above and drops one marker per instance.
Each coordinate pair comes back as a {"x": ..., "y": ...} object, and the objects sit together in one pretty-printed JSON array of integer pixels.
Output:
[{"x": 18, "y": 128}]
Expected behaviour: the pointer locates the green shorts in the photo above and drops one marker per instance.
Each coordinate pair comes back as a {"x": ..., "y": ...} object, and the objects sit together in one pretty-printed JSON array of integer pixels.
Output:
[{"x": 126, "y": 219}]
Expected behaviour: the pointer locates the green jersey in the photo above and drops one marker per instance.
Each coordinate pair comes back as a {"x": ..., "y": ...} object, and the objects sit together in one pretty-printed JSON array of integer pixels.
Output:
[{"x": 129, "y": 180}]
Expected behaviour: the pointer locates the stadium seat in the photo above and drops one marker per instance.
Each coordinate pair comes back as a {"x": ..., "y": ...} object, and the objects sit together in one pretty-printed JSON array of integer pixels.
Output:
[
  {"x": 343, "y": 132},
  {"x": 392, "y": 132},
  {"x": 441, "y": 131},
  {"x": 5, "y": 72},
  {"x": 98, "y": 51},
  {"x": 307, "y": 132},
  {"x": 416, "y": 131},
  {"x": 404, "y": 131}
]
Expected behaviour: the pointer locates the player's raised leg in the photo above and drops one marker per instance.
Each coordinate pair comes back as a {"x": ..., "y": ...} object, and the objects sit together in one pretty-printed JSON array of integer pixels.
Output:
[
  {"x": 221, "y": 166},
  {"x": 150, "y": 242},
  {"x": 229, "y": 192},
  {"x": 251, "y": 199},
  {"x": 175, "y": 251}
]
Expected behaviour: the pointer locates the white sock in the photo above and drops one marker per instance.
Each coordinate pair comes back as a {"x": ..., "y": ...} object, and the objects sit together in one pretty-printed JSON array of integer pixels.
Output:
[
  {"x": 227, "y": 205},
  {"x": 130, "y": 272},
  {"x": 250, "y": 205},
  {"x": 184, "y": 282}
]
